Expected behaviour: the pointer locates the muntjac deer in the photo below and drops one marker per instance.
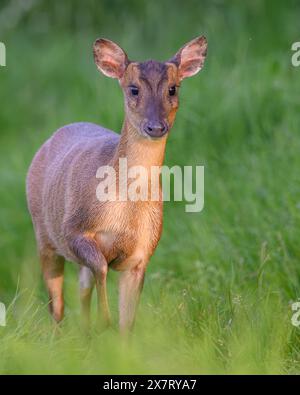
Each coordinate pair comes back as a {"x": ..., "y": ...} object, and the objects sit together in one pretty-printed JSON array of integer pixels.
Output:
[{"x": 69, "y": 221}]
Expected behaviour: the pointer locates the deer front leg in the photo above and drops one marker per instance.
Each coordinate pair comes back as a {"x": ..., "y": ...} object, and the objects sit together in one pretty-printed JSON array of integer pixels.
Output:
[
  {"x": 130, "y": 287},
  {"x": 89, "y": 254},
  {"x": 86, "y": 284}
]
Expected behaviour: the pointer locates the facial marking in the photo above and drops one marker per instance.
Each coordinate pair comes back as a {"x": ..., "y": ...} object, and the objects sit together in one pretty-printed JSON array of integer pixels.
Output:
[
  {"x": 150, "y": 106},
  {"x": 153, "y": 72}
]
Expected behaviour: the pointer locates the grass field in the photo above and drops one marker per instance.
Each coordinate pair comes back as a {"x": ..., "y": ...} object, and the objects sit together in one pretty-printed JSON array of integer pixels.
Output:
[{"x": 218, "y": 291}]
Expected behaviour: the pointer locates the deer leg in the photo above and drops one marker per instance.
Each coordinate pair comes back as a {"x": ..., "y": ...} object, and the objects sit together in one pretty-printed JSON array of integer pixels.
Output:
[
  {"x": 53, "y": 272},
  {"x": 130, "y": 287},
  {"x": 88, "y": 253},
  {"x": 86, "y": 284}
]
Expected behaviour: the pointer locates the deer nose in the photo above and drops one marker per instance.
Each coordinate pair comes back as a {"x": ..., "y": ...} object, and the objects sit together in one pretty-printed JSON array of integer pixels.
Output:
[{"x": 155, "y": 128}]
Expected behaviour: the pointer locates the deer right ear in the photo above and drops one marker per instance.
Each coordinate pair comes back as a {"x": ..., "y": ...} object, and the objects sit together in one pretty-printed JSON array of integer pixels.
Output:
[{"x": 110, "y": 59}]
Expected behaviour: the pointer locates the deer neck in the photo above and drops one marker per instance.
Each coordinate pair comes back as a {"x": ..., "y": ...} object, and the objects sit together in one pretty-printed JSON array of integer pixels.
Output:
[{"x": 138, "y": 150}]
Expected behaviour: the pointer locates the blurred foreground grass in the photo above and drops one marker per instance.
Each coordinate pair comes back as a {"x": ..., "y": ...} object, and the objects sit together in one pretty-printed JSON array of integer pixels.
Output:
[{"x": 219, "y": 287}]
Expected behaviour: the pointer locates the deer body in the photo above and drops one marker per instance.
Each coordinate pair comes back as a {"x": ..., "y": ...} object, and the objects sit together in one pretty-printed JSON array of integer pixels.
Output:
[
  {"x": 69, "y": 221},
  {"x": 82, "y": 148}
]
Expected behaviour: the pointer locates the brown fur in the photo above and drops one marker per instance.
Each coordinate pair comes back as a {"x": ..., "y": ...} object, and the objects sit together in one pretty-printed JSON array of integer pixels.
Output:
[{"x": 69, "y": 222}]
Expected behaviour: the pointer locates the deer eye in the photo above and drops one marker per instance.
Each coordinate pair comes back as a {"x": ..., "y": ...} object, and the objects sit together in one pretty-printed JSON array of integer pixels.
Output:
[
  {"x": 172, "y": 90},
  {"x": 134, "y": 90}
]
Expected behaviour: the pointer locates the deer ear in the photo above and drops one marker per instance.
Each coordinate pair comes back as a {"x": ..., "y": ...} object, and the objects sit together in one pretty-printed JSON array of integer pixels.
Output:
[
  {"x": 110, "y": 59},
  {"x": 190, "y": 58}
]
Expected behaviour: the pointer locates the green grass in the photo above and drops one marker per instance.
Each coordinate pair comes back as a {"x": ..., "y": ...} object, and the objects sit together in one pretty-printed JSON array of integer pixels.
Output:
[{"x": 219, "y": 288}]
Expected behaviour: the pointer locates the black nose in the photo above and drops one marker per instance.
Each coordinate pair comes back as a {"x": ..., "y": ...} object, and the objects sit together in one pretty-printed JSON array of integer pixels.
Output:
[{"x": 155, "y": 128}]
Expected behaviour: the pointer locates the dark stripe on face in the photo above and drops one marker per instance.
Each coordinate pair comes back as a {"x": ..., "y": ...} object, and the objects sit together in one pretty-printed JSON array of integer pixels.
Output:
[{"x": 153, "y": 72}]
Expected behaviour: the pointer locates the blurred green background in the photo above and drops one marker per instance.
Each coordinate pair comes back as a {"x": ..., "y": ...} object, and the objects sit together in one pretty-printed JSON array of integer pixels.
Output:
[{"x": 218, "y": 291}]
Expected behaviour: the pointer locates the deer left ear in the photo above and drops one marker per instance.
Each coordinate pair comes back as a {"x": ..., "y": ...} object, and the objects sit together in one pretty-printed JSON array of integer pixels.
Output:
[{"x": 190, "y": 58}]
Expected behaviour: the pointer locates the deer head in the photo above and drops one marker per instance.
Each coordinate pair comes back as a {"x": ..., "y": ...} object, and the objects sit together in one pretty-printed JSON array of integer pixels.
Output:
[{"x": 150, "y": 88}]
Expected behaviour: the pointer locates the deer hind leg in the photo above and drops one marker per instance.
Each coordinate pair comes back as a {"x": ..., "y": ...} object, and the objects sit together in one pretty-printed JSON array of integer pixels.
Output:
[
  {"x": 86, "y": 284},
  {"x": 130, "y": 288},
  {"x": 53, "y": 272},
  {"x": 88, "y": 253}
]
